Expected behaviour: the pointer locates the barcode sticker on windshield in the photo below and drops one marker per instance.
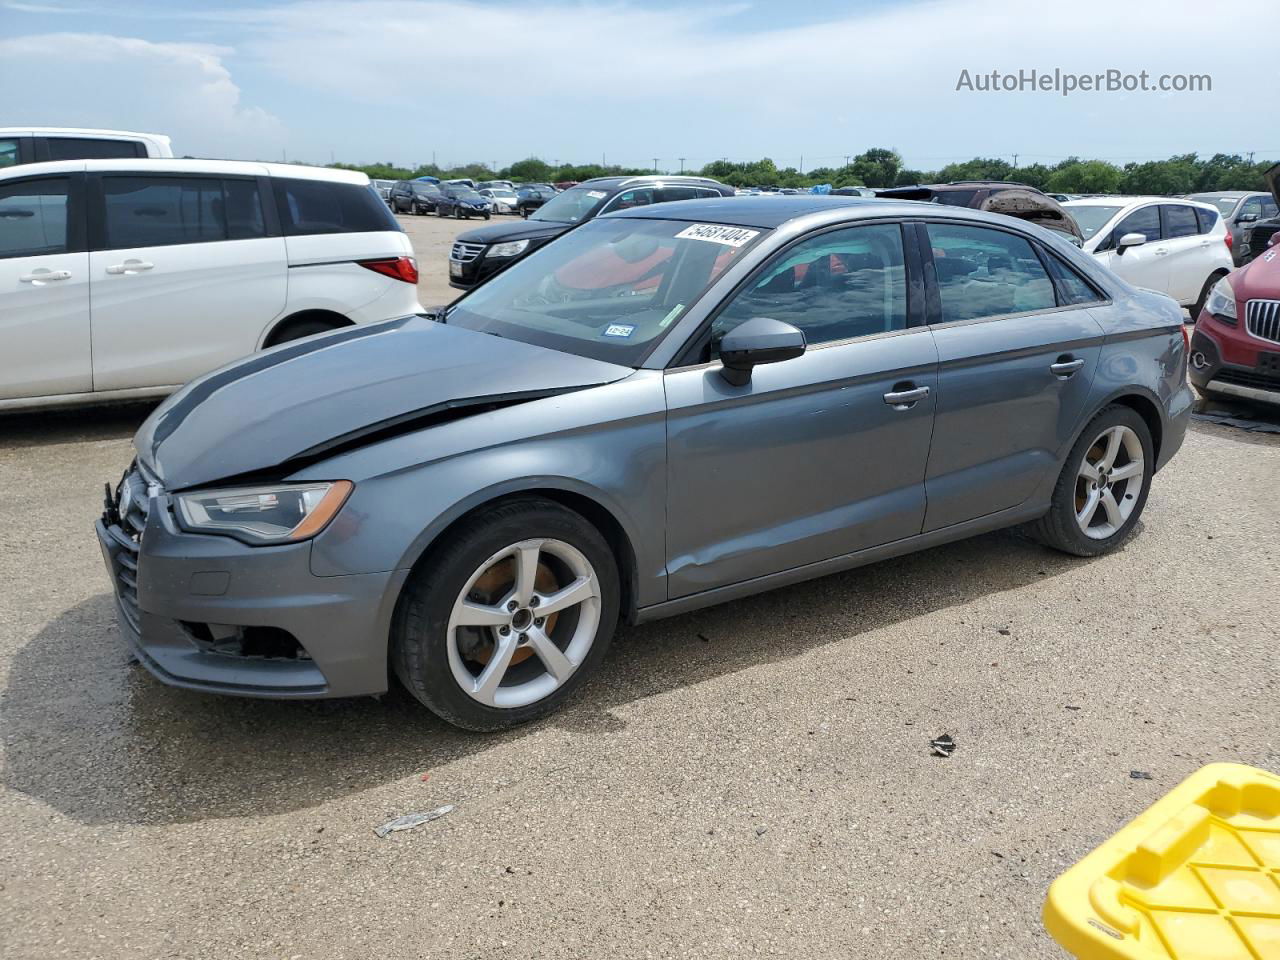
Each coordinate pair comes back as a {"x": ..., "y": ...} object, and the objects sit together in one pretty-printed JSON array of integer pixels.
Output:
[
  {"x": 717, "y": 233},
  {"x": 595, "y": 194}
]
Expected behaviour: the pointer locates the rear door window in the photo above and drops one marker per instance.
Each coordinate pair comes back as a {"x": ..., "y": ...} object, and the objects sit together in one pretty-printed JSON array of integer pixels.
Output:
[
  {"x": 8, "y": 153},
  {"x": 155, "y": 211},
  {"x": 320, "y": 206},
  {"x": 640, "y": 197},
  {"x": 987, "y": 273},
  {"x": 88, "y": 148},
  {"x": 678, "y": 193},
  {"x": 33, "y": 217},
  {"x": 1180, "y": 221},
  {"x": 242, "y": 205}
]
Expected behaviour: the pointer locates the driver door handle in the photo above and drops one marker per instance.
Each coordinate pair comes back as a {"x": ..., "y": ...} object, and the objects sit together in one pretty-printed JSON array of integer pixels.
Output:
[
  {"x": 906, "y": 399},
  {"x": 1066, "y": 367},
  {"x": 44, "y": 276},
  {"x": 129, "y": 266}
]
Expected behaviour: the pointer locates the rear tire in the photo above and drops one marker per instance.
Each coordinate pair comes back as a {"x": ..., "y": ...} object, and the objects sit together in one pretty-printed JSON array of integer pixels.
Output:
[
  {"x": 1097, "y": 503},
  {"x": 441, "y": 650},
  {"x": 1204, "y": 295}
]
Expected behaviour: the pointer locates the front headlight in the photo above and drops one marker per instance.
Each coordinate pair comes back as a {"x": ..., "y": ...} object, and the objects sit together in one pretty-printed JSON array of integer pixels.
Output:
[
  {"x": 1222, "y": 300},
  {"x": 261, "y": 515},
  {"x": 512, "y": 249}
]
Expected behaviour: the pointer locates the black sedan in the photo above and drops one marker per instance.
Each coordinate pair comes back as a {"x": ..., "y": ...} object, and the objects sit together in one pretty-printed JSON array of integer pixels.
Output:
[
  {"x": 529, "y": 199},
  {"x": 462, "y": 202},
  {"x": 414, "y": 196},
  {"x": 479, "y": 254}
]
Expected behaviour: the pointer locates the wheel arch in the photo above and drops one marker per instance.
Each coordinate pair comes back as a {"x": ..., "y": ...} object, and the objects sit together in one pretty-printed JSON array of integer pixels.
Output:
[
  {"x": 277, "y": 329},
  {"x": 1139, "y": 399},
  {"x": 585, "y": 501}
]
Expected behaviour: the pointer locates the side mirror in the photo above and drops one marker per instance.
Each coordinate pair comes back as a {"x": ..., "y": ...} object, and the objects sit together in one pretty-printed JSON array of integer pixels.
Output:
[
  {"x": 1130, "y": 240},
  {"x": 1246, "y": 218},
  {"x": 759, "y": 340}
]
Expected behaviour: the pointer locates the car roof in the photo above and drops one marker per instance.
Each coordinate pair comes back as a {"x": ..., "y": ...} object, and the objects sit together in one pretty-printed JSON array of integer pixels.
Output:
[
  {"x": 655, "y": 178},
  {"x": 767, "y": 213},
  {"x": 167, "y": 165},
  {"x": 1121, "y": 201},
  {"x": 1227, "y": 194}
]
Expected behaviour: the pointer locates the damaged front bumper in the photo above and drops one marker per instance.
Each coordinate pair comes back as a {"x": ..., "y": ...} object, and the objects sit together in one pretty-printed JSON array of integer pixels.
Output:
[{"x": 210, "y": 613}]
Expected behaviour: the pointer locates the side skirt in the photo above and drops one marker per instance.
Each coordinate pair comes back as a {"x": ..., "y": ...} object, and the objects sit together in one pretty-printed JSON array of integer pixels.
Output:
[{"x": 785, "y": 578}]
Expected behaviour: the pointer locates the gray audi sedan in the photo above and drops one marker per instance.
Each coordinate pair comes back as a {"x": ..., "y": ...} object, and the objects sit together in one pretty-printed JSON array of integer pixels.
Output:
[{"x": 666, "y": 408}]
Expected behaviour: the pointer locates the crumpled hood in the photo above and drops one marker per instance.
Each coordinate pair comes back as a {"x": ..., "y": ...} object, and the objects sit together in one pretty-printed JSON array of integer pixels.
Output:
[
  {"x": 299, "y": 399},
  {"x": 1272, "y": 176}
]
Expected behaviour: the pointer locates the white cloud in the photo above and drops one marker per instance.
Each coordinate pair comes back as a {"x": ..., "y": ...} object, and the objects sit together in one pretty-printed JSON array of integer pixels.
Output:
[{"x": 98, "y": 80}]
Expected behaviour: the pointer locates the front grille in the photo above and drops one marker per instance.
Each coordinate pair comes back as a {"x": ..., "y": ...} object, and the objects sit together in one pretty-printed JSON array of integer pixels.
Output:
[
  {"x": 466, "y": 252},
  {"x": 128, "y": 534},
  {"x": 1262, "y": 319}
]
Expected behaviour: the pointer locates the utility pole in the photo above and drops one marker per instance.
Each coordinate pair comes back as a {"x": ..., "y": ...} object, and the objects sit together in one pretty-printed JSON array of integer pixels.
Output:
[
  {"x": 1251, "y": 152},
  {"x": 846, "y": 159},
  {"x": 802, "y": 164},
  {"x": 1015, "y": 161},
  {"x": 682, "y": 164},
  {"x": 655, "y": 164}
]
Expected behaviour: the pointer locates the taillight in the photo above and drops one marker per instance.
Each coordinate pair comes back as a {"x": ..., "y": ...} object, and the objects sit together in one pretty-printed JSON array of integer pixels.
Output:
[
  {"x": 397, "y": 268},
  {"x": 1227, "y": 239},
  {"x": 1186, "y": 339}
]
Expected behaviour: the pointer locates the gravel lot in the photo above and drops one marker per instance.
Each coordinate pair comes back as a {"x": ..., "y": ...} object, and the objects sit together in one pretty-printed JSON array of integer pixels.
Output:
[{"x": 751, "y": 780}]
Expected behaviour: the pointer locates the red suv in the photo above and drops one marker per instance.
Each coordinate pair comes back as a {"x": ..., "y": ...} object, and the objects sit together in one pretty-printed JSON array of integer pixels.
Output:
[{"x": 1236, "y": 347}]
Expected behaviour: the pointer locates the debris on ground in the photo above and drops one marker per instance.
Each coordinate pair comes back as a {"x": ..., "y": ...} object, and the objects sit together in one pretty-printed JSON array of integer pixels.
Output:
[
  {"x": 411, "y": 820},
  {"x": 1226, "y": 420},
  {"x": 1072, "y": 706},
  {"x": 1139, "y": 775},
  {"x": 943, "y": 746},
  {"x": 1003, "y": 631},
  {"x": 761, "y": 831}
]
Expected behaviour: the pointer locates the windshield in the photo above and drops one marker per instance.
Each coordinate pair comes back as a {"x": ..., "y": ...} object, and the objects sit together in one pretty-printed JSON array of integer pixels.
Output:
[
  {"x": 425, "y": 189},
  {"x": 1089, "y": 217},
  {"x": 1224, "y": 204},
  {"x": 609, "y": 290},
  {"x": 578, "y": 203},
  {"x": 504, "y": 194}
]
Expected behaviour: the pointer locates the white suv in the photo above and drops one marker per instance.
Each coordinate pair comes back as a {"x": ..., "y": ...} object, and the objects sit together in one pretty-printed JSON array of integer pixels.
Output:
[
  {"x": 124, "y": 278},
  {"x": 1177, "y": 247}
]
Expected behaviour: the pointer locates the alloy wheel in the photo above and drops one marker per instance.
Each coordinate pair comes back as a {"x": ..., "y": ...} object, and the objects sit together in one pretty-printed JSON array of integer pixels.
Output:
[
  {"x": 523, "y": 623},
  {"x": 1109, "y": 482}
]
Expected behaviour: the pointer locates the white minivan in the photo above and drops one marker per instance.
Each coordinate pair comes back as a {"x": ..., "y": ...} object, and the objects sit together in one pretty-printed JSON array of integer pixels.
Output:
[
  {"x": 1176, "y": 247},
  {"x": 38, "y": 144},
  {"x": 127, "y": 278}
]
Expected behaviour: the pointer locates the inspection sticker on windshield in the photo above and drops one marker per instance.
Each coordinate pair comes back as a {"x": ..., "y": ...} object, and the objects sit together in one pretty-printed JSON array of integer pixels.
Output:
[
  {"x": 717, "y": 233},
  {"x": 619, "y": 330},
  {"x": 595, "y": 194}
]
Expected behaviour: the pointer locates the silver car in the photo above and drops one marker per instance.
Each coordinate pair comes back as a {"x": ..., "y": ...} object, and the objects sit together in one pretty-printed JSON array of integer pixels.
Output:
[{"x": 666, "y": 408}]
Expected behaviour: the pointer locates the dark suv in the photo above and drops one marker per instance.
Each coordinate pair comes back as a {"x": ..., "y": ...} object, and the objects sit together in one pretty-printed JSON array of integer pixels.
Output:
[
  {"x": 414, "y": 196},
  {"x": 1254, "y": 239},
  {"x": 995, "y": 196},
  {"x": 479, "y": 254}
]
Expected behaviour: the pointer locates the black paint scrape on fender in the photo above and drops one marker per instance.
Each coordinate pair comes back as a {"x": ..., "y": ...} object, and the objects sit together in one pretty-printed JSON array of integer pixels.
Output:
[{"x": 415, "y": 420}]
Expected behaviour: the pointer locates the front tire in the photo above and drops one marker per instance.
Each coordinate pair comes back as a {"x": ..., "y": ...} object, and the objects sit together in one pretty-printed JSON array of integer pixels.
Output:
[
  {"x": 509, "y": 617},
  {"x": 1103, "y": 487},
  {"x": 1204, "y": 295}
]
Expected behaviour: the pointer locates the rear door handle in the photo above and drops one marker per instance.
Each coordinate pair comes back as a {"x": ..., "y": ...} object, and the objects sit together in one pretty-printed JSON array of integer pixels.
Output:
[
  {"x": 129, "y": 266},
  {"x": 906, "y": 399},
  {"x": 1065, "y": 368},
  {"x": 41, "y": 277}
]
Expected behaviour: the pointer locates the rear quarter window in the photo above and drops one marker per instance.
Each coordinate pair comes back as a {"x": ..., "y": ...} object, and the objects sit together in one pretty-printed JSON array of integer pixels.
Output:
[
  {"x": 1207, "y": 219},
  {"x": 87, "y": 148},
  {"x": 319, "y": 206}
]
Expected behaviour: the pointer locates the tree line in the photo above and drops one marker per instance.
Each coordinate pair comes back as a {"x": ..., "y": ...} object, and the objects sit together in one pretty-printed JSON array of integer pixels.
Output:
[{"x": 882, "y": 167}]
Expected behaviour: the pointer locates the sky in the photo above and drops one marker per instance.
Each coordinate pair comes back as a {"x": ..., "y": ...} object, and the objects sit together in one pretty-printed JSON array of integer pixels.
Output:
[{"x": 457, "y": 81}]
